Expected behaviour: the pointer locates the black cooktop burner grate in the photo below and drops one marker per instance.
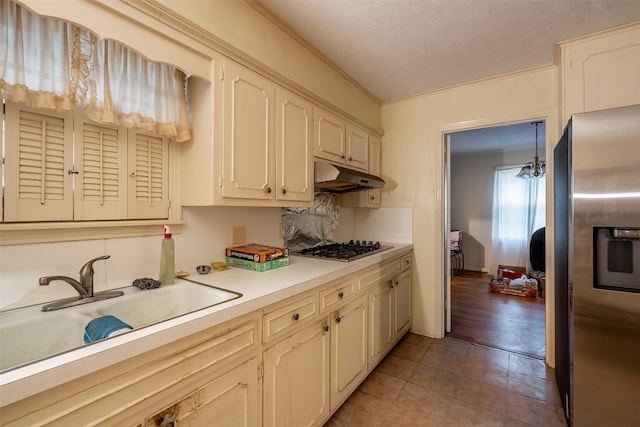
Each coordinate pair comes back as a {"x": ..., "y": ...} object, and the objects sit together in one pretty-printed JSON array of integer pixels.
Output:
[{"x": 344, "y": 251}]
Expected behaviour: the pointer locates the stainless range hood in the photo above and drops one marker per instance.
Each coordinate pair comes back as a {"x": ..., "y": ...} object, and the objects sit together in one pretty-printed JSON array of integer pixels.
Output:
[{"x": 339, "y": 179}]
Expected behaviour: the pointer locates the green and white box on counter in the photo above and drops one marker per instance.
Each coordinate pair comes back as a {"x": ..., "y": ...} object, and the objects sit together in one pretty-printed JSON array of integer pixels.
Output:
[{"x": 257, "y": 266}]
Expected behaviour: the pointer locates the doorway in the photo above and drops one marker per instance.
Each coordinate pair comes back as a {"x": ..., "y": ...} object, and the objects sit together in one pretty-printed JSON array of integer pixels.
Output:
[{"x": 473, "y": 312}]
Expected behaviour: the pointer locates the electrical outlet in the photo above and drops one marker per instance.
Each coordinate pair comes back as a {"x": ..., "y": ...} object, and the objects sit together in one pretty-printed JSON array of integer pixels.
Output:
[{"x": 238, "y": 235}]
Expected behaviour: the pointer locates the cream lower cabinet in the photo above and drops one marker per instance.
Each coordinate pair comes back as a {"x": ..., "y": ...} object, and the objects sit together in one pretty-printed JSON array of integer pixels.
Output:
[
  {"x": 296, "y": 378},
  {"x": 380, "y": 322},
  {"x": 348, "y": 349},
  {"x": 197, "y": 381},
  {"x": 402, "y": 304},
  {"x": 229, "y": 400},
  {"x": 389, "y": 297}
]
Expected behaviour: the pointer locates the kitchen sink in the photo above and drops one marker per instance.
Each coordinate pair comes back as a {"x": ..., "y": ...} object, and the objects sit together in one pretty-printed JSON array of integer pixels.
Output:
[{"x": 28, "y": 334}]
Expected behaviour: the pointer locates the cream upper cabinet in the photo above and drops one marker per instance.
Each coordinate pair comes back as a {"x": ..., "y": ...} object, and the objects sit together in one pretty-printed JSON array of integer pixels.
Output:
[
  {"x": 257, "y": 148},
  {"x": 329, "y": 136},
  {"x": 296, "y": 378},
  {"x": 357, "y": 156},
  {"x": 348, "y": 349},
  {"x": 294, "y": 142},
  {"x": 340, "y": 142},
  {"x": 600, "y": 71},
  {"x": 249, "y": 132},
  {"x": 367, "y": 198}
]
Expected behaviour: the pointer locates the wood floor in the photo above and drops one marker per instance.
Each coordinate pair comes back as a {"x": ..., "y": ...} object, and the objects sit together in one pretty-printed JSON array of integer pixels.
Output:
[{"x": 507, "y": 322}]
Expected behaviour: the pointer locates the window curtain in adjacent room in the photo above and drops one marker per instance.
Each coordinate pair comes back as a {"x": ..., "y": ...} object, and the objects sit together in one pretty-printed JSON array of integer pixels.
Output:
[
  {"x": 518, "y": 210},
  {"x": 47, "y": 63}
]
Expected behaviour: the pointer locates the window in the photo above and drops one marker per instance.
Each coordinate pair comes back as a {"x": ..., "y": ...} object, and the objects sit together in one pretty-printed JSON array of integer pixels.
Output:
[
  {"x": 86, "y": 128},
  {"x": 64, "y": 167},
  {"x": 519, "y": 207}
]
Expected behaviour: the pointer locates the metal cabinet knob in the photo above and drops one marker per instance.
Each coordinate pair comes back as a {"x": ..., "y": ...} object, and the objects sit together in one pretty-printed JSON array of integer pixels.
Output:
[
  {"x": 284, "y": 190},
  {"x": 296, "y": 316},
  {"x": 338, "y": 319},
  {"x": 341, "y": 295},
  {"x": 326, "y": 328},
  {"x": 267, "y": 189}
]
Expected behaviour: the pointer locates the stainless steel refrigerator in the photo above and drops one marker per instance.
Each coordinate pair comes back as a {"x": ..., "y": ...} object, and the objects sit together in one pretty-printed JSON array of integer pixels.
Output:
[{"x": 597, "y": 267}]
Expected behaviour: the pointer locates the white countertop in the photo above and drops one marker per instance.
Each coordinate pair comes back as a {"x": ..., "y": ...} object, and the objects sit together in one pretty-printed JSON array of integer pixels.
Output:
[{"x": 258, "y": 289}]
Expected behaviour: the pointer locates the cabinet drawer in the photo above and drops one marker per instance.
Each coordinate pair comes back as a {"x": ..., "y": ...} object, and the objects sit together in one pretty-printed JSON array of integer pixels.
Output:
[
  {"x": 337, "y": 293},
  {"x": 384, "y": 272},
  {"x": 405, "y": 262},
  {"x": 278, "y": 321}
]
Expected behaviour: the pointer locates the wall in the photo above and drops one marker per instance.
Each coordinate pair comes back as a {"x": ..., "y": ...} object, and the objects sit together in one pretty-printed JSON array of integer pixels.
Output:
[
  {"x": 412, "y": 155},
  {"x": 250, "y": 31},
  {"x": 472, "y": 201},
  {"x": 206, "y": 233}
]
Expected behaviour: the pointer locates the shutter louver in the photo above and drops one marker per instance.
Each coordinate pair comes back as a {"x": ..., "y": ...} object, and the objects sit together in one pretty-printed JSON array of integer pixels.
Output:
[
  {"x": 41, "y": 158},
  {"x": 149, "y": 195},
  {"x": 101, "y": 183},
  {"x": 38, "y": 155},
  {"x": 100, "y": 164}
]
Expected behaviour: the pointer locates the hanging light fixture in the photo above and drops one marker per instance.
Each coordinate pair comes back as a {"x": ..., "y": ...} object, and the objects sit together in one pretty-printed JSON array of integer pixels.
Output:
[{"x": 536, "y": 168}]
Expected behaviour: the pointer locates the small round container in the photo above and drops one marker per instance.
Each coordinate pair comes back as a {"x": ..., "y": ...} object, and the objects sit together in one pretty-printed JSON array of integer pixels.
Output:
[{"x": 203, "y": 269}]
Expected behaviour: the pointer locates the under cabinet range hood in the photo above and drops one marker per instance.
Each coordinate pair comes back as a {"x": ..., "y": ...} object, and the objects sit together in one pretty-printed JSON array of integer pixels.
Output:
[{"x": 339, "y": 179}]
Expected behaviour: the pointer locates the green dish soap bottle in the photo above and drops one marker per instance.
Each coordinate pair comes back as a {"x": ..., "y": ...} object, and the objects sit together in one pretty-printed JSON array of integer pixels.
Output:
[{"x": 167, "y": 259}]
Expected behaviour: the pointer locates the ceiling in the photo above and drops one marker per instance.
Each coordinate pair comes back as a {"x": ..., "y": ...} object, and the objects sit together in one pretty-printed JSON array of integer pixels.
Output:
[{"x": 400, "y": 48}]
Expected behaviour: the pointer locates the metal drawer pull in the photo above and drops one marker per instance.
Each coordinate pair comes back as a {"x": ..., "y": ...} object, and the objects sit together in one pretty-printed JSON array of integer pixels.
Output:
[
  {"x": 326, "y": 328},
  {"x": 341, "y": 295},
  {"x": 296, "y": 316},
  {"x": 338, "y": 319}
]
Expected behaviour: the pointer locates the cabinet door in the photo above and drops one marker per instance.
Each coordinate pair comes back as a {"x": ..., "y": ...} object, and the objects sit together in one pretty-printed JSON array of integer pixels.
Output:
[
  {"x": 357, "y": 148},
  {"x": 380, "y": 321},
  {"x": 374, "y": 197},
  {"x": 148, "y": 176},
  {"x": 247, "y": 152},
  {"x": 294, "y": 139},
  {"x": 296, "y": 379},
  {"x": 229, "y": 400},
  {"x": 402, "y": 304},
  {"x": 38, "y": 156},
  {"x": 348, "y": 349},
  {"x": 368, "y": 198},
  {"x": 101, "y": 163},
  {"x": 329, "y": 136}
]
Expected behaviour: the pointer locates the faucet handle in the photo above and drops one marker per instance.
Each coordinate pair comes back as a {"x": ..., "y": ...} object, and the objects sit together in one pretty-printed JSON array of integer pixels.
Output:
[{"x": 88, "y": 267}]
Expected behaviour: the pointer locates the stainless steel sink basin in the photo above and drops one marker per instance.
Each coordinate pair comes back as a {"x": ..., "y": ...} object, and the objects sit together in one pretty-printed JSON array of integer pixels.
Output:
[{"x": 28, "y": 334}]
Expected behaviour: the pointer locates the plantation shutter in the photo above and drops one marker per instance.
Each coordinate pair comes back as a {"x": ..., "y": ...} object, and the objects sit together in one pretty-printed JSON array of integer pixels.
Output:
[
  {"x": 148, "y": 176},
  {"x": 101, "y": 183},
  {"x": 38, "y": 156}
]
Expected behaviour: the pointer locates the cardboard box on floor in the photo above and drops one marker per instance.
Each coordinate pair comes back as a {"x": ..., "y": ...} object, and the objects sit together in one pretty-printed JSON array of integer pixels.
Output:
[{"x": 515, "y": 268}]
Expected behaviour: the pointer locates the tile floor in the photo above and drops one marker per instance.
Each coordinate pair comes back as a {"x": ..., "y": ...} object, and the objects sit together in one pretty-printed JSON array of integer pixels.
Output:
[{"x": 448, "y": 382}]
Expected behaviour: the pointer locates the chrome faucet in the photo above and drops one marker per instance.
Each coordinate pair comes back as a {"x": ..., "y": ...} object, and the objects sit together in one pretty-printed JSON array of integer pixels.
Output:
[{"x": 84, "y": 287}]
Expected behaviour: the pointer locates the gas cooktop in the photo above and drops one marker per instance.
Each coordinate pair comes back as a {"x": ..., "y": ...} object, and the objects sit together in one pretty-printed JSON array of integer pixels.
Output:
[{"x": 344, "y": 252}]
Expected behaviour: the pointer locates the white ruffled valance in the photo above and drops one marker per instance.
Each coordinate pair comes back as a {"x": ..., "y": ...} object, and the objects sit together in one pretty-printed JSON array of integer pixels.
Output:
[{"x": 48, "y": 63}]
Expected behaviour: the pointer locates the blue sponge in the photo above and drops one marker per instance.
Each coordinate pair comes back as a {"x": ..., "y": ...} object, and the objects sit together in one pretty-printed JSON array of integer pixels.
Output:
[{"x": 101, "y": 327}]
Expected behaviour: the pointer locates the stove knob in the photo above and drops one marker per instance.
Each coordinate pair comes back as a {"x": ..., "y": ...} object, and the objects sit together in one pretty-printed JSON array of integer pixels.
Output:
[
  {"x": 357, "y": 242},
  {"x": 351, "y": 242}
]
